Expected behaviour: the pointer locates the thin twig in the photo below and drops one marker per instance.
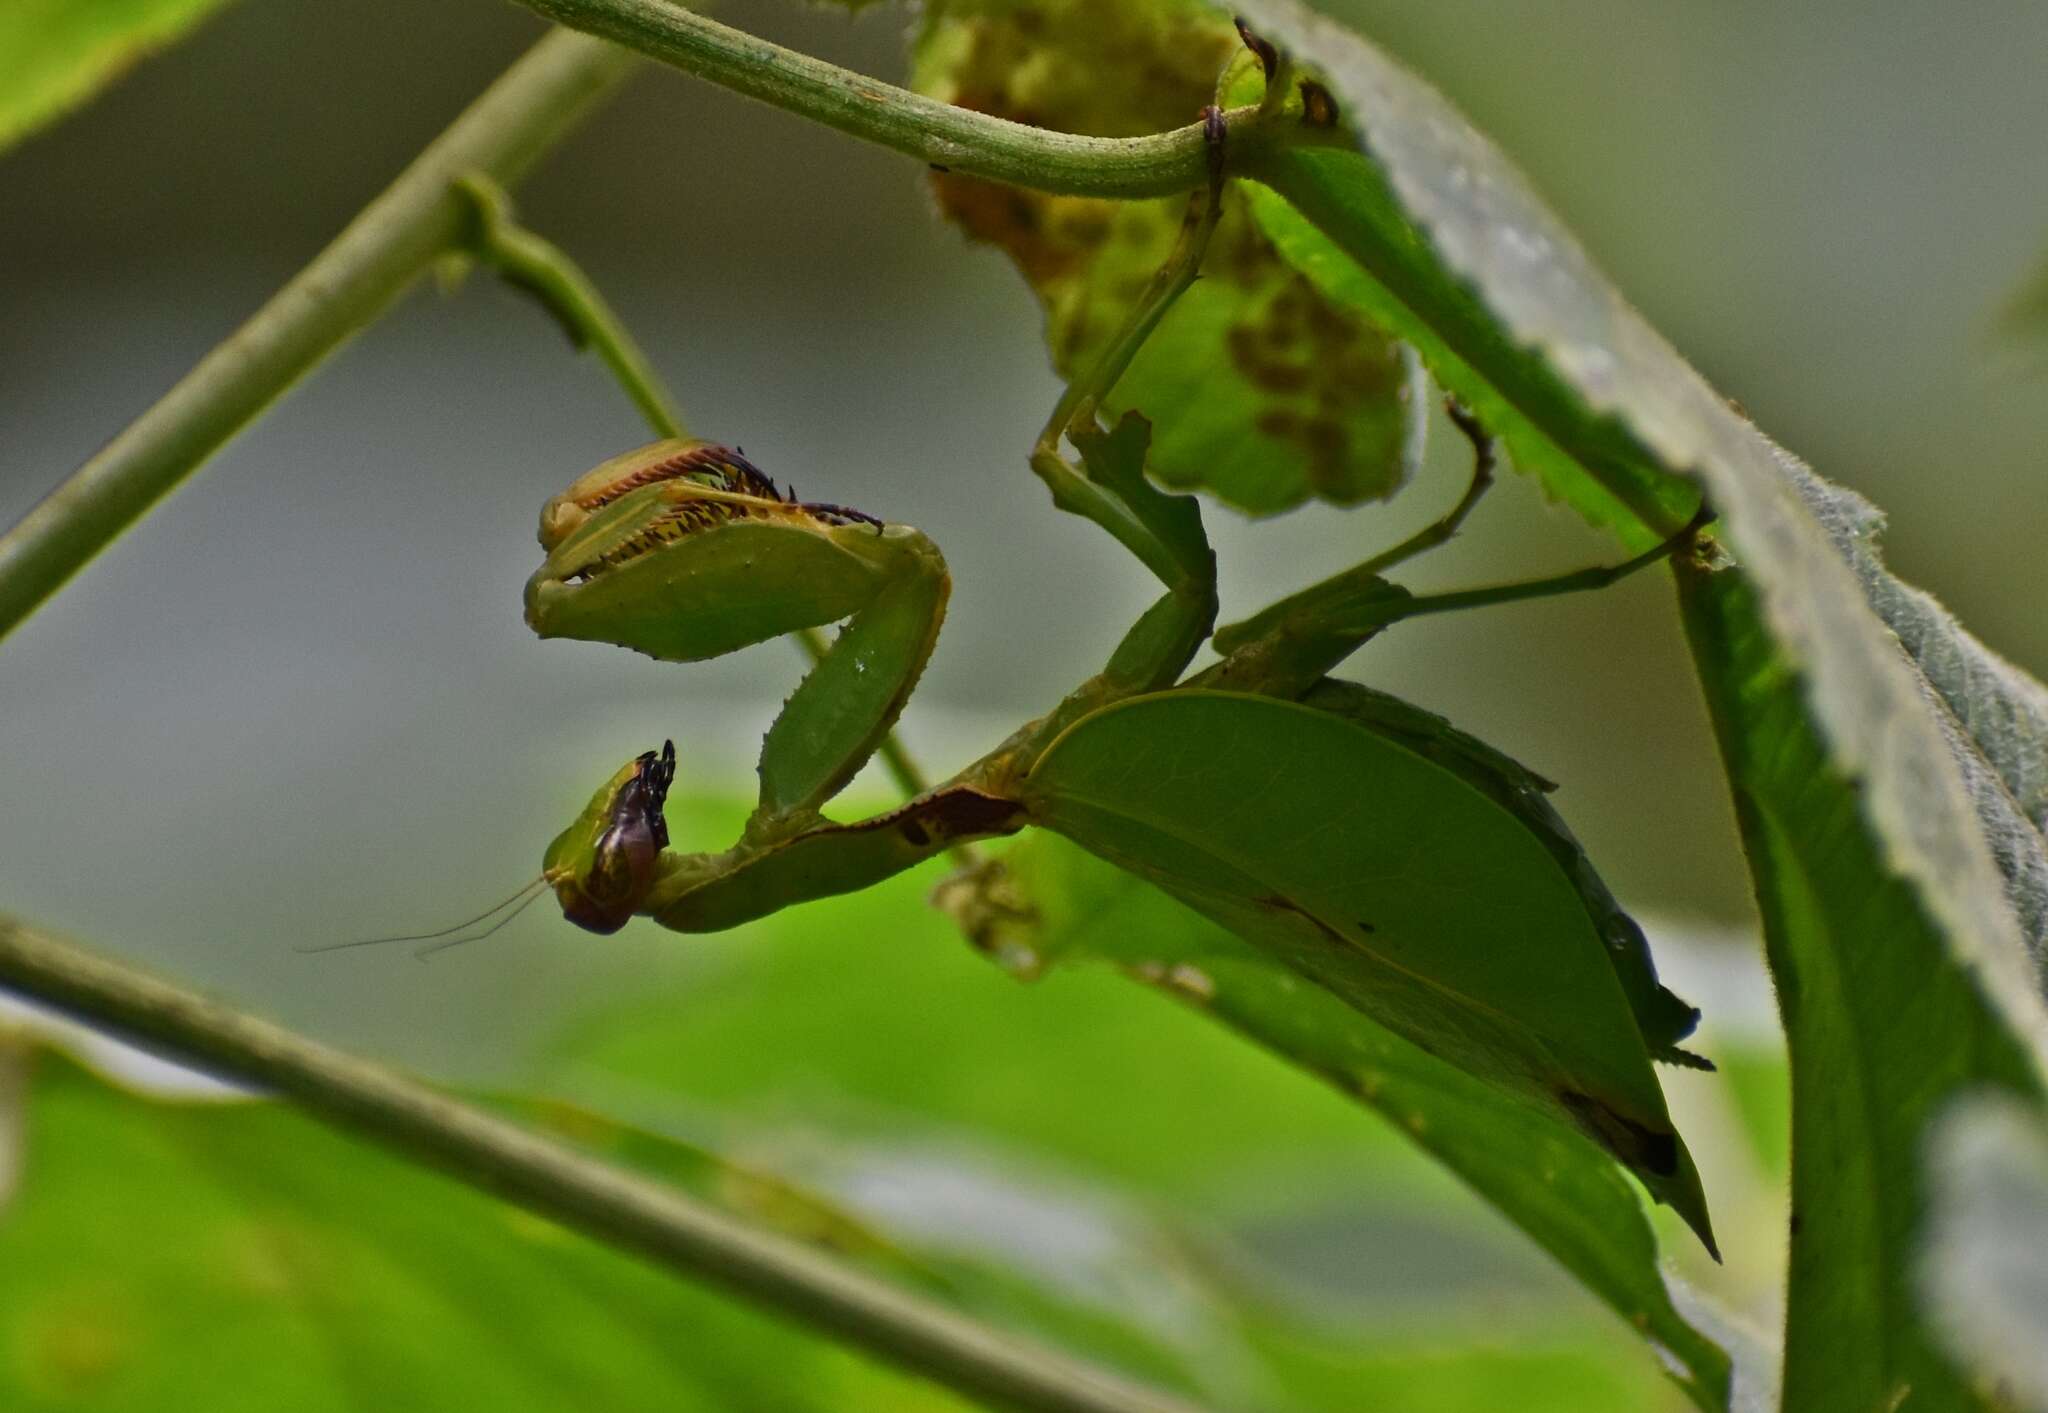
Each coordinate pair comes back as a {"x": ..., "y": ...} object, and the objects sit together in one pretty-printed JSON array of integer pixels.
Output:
[{"x": 395, "y": 239}]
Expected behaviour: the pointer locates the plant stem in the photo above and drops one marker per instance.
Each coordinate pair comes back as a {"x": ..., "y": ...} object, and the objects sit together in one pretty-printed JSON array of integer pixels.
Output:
[
  {"x": 530, "y": 262},
  {"x": 957, "y": 139},
  {"x": 607, "y": 1203},
  {"x": 418, "y": 219}
]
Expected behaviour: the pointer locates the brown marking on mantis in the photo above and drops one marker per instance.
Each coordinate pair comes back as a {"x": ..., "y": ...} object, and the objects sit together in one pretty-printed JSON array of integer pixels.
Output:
[
  {"x": 733, "y": 470},
  {"x": 955, "y": 813},
  {"x": 1281, "y": 904},
  {"x": 1654, "y": 1150},
  {"x": 1318, "y": 108},
  {"x": 1269, "y": 57}
]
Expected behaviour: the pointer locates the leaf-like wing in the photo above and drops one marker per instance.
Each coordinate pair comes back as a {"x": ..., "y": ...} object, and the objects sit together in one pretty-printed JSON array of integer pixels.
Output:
[
  {"x": 1066, "y": 906},
  {"x": 1384, "y": 878}
]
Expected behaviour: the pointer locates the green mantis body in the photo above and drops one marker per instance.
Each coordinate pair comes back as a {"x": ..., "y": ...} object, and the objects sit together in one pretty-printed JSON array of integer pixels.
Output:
[
  {"x": 684, "y": 551},
  {"x": 1381, "y": 854}
]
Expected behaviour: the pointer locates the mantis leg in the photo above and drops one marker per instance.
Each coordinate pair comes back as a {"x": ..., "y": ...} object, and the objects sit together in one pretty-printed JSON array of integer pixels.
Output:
[
  {"x": 1578, "y": 581},
  {"x": 1288, "y": 646},
  {"x": 1285, "y": 648},
  {"x": 1139, "y": 522},
  {"x": 1440, "y": 531},
  {"x": 1108, "y": 484},
  {"x": 849, "y": 701}
]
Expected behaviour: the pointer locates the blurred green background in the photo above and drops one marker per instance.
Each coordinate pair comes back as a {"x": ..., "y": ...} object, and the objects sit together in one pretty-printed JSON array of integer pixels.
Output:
[{"x": 298, "y": 704}]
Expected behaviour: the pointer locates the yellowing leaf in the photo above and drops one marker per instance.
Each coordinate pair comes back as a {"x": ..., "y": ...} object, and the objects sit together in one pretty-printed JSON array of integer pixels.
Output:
[{"x": 1258, "y": 387}]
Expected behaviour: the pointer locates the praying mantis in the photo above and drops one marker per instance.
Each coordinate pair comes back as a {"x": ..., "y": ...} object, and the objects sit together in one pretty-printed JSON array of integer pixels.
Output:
[{"x": 1377, "y": 851}]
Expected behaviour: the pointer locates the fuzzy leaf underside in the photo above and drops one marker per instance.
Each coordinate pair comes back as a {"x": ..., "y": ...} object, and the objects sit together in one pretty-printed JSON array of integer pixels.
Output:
[
  {"x": 1891, "y": 801},
  {"x": 1883, "y": 1026}
]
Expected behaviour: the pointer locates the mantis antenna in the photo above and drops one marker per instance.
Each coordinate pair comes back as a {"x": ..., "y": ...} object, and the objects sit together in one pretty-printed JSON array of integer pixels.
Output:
[{"x": 517, "y": 903}]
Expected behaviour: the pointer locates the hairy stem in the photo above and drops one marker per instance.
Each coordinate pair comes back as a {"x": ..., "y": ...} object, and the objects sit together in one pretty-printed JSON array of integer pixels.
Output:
[
  {"x": 956, "y": 139},
  {"x": 607, "y": 1203},
  {"x": 395, "y": 239}
]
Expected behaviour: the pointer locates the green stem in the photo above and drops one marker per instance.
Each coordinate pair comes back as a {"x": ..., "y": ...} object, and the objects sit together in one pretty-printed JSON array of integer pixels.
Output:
[
  {"x": 541, "y": 268},
  {"x": 604, "y": 1202},
  {"x": 416, "y": 221},
  {"x": 956, "y": 139}
]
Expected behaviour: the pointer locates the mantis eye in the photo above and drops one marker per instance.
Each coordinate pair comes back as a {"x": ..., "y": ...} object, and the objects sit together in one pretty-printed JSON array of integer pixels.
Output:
[{"x": 604, "y": 895}]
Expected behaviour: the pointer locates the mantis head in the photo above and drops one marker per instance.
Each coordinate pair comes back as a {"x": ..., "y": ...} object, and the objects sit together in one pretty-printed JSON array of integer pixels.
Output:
[
  {"x": 684, "y": 550},
  {"x": 602, "y": 865}
]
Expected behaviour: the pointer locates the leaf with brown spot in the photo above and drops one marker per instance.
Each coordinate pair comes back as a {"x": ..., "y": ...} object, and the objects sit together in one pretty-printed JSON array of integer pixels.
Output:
[{"x": 1259, "y": 388}]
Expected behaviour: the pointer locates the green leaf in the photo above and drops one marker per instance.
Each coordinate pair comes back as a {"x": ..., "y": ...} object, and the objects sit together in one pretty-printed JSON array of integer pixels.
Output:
[
  {"x": 55, "y": 54},
  {"x": 1514, "y": 397},
  {"x": 1886, "y": 1024},
  {"x": 1055, "y": 904},
  {"x": 1384, "y": 878},
  {"x": 1259, "y": 389},
  {"x": 1900, "y": 875},
  {"x": 1983, "y": 1281},
  {"x": 1433, "y": 220},
  {"x": 848, "y": 1073},
  {"x": 1995, "y": 718},
  {"x": 330, "y": 1260},
  {"x": 226, "y": 1255}
]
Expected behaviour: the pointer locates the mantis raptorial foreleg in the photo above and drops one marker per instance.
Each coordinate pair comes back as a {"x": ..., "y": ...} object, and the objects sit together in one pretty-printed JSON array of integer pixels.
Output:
[{"x": 541, "y": 269}]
